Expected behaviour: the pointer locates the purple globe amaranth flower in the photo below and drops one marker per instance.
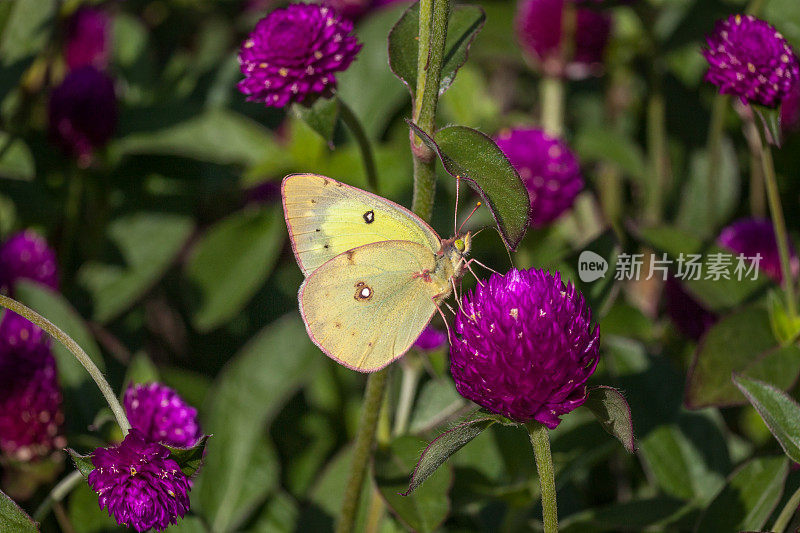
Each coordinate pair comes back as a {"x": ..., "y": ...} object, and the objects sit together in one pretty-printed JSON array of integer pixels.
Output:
[
  {"x": 539, "y": 26},
  {"x": 139, "y": 484},
  {"x": 162, "y": 415},
  {"x": 525, "y": 346},
  {"x": 430, "y": 339},
  {"x": 752, "y": 236},
  {"x": 88, "y": 39},
  {"x": 83, "y": 112},
  {"x": 293, "y": 53},
  {"x": 748, "y": 58},
  {"x": 790, "y": 109},
  {"x": 548, "y": 168},
  {"x": 26, "y": 255},
  {"x": 30, "y": 398},
  {"x": 689, "y": 316}
]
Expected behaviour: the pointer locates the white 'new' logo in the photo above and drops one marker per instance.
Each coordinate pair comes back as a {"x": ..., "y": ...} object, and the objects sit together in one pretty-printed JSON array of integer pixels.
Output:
[{"x": 591, "y": 266}]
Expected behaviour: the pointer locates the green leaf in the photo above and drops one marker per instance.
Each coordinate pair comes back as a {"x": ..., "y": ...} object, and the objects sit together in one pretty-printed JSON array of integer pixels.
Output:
[
  {"x": 216, "y": 136},
  {"x": 784, "y": 327},
  {"x": 148, "y": 244},
  {"x": 13, "y": 518},
  {"x": 607, "y": 145},
  {"x": 438, "y": 399},
  {"x": 465, "y": 23},
  {"x": 741, "y": 342},
  {"x": 189, "y": 459},
  {"x": 27, "y": 29},
  {"x": 81, "y": 397},
  {"x": 141, "y": 370},
  {"x": 322, "y": 117},
  {"x": 474, "y": 157},
  {"x": 231, "y": 262},
  {"x": 748, "y": 499},
  {"x": 778, "y": 410},
  {"x": 16, "y": 160},
  {"x": 84, "y": 510},
  {"x": 443, "y": 446},
  {"x": 673, "y": 241},
  {"x": 428, "y": 507},
  {"x": 83, "y": 463},
  {"x": 613, "y": 413},
  {"x": 634, "y": 515},
  {"x": 247, "y": 395}
]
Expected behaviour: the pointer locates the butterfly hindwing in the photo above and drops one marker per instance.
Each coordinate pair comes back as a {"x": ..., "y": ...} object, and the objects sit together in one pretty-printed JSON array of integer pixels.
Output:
[
  {"x": 326, "y": 218},
  {"x": 367, "y": 306}
]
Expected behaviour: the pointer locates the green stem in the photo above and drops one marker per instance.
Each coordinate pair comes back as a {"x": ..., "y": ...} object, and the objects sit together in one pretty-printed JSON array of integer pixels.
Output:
[
  {"x": 716, "y": 128},
  {"x": 412, "y": 369},
  {"x": 365, "y": 439},
  {"x": 779, "y": 223},
  {"x": 787, "y": 513},
  {"x": 552, "y": 95},
  {"x": 753, "y": 137},
  {"x": 433, "y": 18},
  {"x": 540, "y": 440},
  {"x": 57, "y": 494},
  {"x": 364, "y": 144},
  {"x": 77, "y": 351},
  {"x": 659, "y": 157}
]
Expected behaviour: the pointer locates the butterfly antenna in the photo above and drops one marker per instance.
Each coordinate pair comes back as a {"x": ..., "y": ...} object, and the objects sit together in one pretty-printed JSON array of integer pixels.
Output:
[
  {"x": 455, "y": 213},
  {"x": 458, "y": 231}
]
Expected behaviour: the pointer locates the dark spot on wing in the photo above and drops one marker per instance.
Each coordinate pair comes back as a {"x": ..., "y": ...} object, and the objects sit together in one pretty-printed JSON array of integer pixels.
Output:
[
  {"x": 337, "y": 325},
  {"x": 363, "y": 292},
  {"x": 318, "y": 230},
  {"x": 327, "y": 246},
  {"x": 369, "y": 216},
  {"x": 313, "y": 201}
]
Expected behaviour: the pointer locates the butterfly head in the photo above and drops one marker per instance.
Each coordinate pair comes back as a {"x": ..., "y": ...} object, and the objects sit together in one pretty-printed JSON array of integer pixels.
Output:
[{"x": 463, "y": 244}]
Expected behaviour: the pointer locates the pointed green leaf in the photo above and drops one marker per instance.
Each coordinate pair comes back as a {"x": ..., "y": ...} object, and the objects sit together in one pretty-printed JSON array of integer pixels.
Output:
[
  {"x": 443, "y": 446},
  {"x": 779, "y": 411},
  {"x": 12, "y": 518},
  {"x": 475, "y": 158},
  {"x": 785, "y": 328},
  {"x": 613, "y": 413},
  {"x": 749, "y": 497},
  {"x": 83, "y": 463},
  {"x": 231, "y": 262},
  {"x": 465, "y": 23},
  {"x": 322, "y": 116},
  {"x": 428, "y": 507},
  {"x": 189, "y": 459}
]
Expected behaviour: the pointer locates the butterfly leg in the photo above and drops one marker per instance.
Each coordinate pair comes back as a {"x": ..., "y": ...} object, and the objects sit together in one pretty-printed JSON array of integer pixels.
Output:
[
  {"x": 444, "y": 319},
  {"x": 466, "y": 264},
  {"x": 490, "y": 269}
]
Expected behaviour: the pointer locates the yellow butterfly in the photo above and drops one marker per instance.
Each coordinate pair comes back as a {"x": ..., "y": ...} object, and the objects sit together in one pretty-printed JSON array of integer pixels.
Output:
[{"x": 375, "y": 272}]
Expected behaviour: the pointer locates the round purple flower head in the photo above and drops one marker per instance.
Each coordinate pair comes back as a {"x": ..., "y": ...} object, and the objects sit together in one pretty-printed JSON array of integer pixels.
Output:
[
  {"x": 30, "y": 398},
  {"x": 748, "y": 58},
  {"x": 689, "y": 316},
  {"x": 430, "y": 339},
  {"x": 752, "y": 236},
  {"x": 161, "y": 415},
  {"x": 539, "y": 28},
  {"x": 548, "y": 168},
  {"x": 83, "y": 112},
  {"x": 139, "y": 484},
  {"x": 525, "y": 347},
  {"x": 293, "y": 54},
  {"x": 26, "y": 255},
  {"x": 88, "y": 38}
]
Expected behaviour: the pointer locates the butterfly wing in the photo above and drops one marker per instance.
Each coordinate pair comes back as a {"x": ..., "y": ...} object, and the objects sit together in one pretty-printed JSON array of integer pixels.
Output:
[
  {"x": 326, "y": 218},
  {"x": 366, "y": 307}
]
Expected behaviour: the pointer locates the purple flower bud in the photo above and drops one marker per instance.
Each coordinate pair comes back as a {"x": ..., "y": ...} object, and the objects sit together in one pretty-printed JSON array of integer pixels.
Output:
[
  {"x": 752, "y": 236},
  {"x": 688, "y": 315},
  {"x": 88, "y": 39},
  {"x": 162, "y": 415},
  {"x": 293, "y": 54},
  {"x": 83, "y": 112},
  {"x": 430, "y": 339},
  {"x": 748, "y": 58},
  {"x": 526, "y": 346},
  {"x": 548, "y": 168},
  {"x": 139, "y": 484},
  {"x": 30, "y": 398},
  {"x": 26, "y": 255},
  {"x": 539, "y": 26}
]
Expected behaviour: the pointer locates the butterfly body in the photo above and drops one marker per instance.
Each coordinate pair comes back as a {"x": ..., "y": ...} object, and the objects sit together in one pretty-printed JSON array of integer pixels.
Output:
[{"x": 375, "y": 272}]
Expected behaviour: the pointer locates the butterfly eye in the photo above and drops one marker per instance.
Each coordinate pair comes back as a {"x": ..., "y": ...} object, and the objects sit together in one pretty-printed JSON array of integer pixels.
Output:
[{"x": 459, "y": 244}]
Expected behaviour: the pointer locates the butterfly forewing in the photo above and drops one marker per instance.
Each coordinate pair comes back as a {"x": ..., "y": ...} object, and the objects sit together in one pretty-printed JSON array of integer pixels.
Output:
[
  {"x": 326, "y": 218},
  {"x": 366, "y": 307}
]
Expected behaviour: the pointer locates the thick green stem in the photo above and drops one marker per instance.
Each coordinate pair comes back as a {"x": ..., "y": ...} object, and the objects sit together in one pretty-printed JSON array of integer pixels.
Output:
[
  {"x": 365, "y": 440},
  {"x": 540, "y": 440},
  {"x": 716, "y": 128},
  {"x": 779, "y": 223},
  {"x": 787, "y": 513},
  {"x": 659, "y": 156},
  {"x": 552, "y": 95},
  {"x": 364, "y": 145},
  {"x": 58, "y": 493},
  {"x": 758, "y": 206},
  {"x": 77, "y": 351}
]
